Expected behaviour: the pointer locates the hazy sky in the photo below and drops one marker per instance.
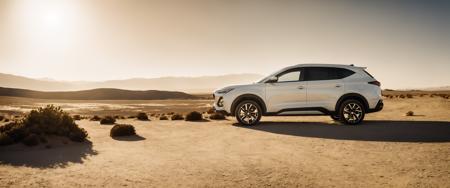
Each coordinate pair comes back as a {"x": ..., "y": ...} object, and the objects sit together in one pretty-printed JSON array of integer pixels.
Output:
[{"x": 404, "y": 43}]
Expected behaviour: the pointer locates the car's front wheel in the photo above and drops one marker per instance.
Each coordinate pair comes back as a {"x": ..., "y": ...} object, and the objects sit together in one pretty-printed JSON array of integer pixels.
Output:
[
  {"x": 352, "y": 112},
  {"x": 248, "y": 112}
]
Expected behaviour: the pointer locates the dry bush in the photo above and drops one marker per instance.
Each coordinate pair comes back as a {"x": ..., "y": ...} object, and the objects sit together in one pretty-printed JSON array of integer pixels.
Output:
[
  {"x": 194, "y": 116},
  {"x": 163, "y": 118},
  {"x": 107, "y": 120},
  {"x": 95, "y": 118},
  {"x": 50, "y": 120},
  {"x": 217, "y": 116},
  {"x": 122, "y": 130},
  {"x": 76, "y": 117},
  {"x": 131, "y": 117},
  {"x": 31, "y": 140},
  {"x": 2, "y": 117},
  {"x": 5, "y": 139},
  {"x": 401, "y": 96},
  {"x": 142, "y": 116},
  {"x": 410, "y": 113},
  {"x": 409, "y": 96},
  {"x": 177, "y": 117}
]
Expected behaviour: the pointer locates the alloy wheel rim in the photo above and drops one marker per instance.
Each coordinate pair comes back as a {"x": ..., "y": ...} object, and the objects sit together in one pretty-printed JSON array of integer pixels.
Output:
[
  {"x": 248, "y": 113},
  {"x": 352, "y": 112}
]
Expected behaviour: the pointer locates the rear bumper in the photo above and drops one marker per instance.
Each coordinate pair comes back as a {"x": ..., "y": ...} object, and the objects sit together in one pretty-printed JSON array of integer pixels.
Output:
[{"x": 377, "y": 108}]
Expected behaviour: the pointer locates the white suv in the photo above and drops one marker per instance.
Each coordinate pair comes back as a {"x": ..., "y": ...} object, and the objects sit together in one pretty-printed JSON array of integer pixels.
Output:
[{"x": 344, "y": 92}]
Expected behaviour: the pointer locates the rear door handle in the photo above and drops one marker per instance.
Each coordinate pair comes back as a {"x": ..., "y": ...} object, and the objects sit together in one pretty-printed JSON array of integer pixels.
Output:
[
  {"x": 300, "y": 87},
  {"x": 338, "y": 85}
]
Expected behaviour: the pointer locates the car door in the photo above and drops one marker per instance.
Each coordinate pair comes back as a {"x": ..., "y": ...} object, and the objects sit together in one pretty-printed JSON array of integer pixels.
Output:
[
  {"x": 287, "y": 92},
  {"x": 323, "y": 87}
]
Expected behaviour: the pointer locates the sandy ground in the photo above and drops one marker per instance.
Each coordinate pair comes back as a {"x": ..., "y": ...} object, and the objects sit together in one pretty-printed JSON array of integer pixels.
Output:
[{"x": 388, "y": 150}]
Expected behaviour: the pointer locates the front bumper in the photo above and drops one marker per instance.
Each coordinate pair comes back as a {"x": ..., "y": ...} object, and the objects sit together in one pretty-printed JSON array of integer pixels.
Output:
[{"x": 378, "y": 107}]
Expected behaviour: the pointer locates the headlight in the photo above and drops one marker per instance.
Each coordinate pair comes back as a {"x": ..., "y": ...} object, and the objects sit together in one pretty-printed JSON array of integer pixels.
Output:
[{"x": 225, "y": 91}]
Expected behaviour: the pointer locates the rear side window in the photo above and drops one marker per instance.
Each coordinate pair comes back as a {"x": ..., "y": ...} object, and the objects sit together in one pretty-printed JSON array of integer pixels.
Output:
[{"x": 326, "y": 73}]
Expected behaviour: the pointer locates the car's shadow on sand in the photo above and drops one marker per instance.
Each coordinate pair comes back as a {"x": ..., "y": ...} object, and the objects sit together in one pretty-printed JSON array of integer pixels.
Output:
[
  {"x": 388, "y": 131},
  {"x": 20, "y": 155}
]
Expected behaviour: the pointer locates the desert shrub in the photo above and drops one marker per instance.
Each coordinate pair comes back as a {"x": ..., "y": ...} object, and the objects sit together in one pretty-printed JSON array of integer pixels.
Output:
[
  {"x": 194, "y": 116},
  {"x": 107, "y": 120},
  {"x": 50, "y": 120},
  {"x": 5, "y": 139},
  {"x": 409, "y": 96},
  {"x": 211, "y": 111},
  {"x": 6, "y": 120},
  {"x": 171, "y": 113},
  {"x": 2, "y": 117},
  {"x": 78, "y": 135},
  {"x": 410, "y": 113},
  {"x": 177, "y": 117},
  {"x": 95, "y": 118},
  {"x": 163, "y": 118},
  {"x": 17, "y": 131},
  {"x": 402, "y": 96},
  {"x": 31, "y": 140},
  {"x": 217, "y": 116},
  {"x": 122, "y": 130},
  {"x": 131, "y": 117},
  {"x": 76, "y": 117},
  {"x": 142, "y": 116},
  {"x": 119, "y": 117}
]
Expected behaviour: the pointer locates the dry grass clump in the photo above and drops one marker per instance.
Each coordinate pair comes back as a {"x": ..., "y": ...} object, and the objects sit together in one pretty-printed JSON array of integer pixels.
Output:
[
  {"x": 2, "y": 117},
  {"x": 142, "y": 116},
  {"x": 119, "y": 117},
  {"x": 122, "y": 130},
  {"x": 409, "y": 96},
  {"x": 76, "y": 117},
  {"x": 163, "y": 118},
  {"x": 409, "y": 113},
  {"x": 217, "y": 116},
  {"x": 177, "y": 117},
  {"x": 39, "y": 123},
  {"x": 194, "y": 116},
  {"x": 95, "y": 118},
  {"x": 107, "y": 120},
  {"x": 401, "y": 96}
]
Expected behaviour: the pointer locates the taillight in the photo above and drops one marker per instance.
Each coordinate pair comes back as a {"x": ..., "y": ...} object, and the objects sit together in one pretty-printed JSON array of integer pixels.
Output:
[{"x": 377, "y": 83}]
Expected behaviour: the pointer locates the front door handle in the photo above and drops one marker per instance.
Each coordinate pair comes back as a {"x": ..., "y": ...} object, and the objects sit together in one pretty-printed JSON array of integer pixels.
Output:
[
  {"x": 338, "y": 85},
  {"x": 300, "y": 87}
]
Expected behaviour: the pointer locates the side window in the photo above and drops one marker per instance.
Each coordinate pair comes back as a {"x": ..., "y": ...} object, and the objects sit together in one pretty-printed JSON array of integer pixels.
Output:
[
  {"x": 344, "y": 73},
  {"x": 291, "y": 76},
  {"x": 326, "y": 73},
  {"x": 316, "y": 73}
]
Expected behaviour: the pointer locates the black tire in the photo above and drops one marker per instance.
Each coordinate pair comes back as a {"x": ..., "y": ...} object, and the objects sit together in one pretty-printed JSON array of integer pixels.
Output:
[
  {"x": 335, "y": 117},
  {"x": 248, "y": 113},
  {"x": 352, "y": 112}
]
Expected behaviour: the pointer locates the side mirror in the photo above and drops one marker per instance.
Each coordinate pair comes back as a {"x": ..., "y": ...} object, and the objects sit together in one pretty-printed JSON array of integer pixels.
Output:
[{"x": 272, "y": 79}]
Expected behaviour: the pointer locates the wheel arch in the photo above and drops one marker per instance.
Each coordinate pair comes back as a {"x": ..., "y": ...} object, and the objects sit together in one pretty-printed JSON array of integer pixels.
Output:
[
  {"x": 354, "y": 96},
  {"x": 244, "y": 97}
]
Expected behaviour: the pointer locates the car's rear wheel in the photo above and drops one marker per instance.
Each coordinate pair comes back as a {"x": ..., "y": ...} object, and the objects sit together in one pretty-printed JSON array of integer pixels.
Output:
[
  {"x": 351, "y": 112},
  {"x": 248, "y": 113}
]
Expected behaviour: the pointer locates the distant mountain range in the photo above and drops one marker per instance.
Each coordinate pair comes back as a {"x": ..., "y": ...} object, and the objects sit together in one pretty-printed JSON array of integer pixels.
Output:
[
  {"x": 203, "y": 84},
  {"x": 97, "y": 94}
]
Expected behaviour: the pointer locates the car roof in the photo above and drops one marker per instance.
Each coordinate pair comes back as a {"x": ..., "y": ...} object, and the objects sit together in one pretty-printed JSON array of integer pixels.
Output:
[{"x": 351, "y": 67}]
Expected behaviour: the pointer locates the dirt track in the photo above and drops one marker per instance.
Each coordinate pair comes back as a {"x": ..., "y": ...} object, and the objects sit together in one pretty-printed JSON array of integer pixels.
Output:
[{"x": 281, "y": 152}]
